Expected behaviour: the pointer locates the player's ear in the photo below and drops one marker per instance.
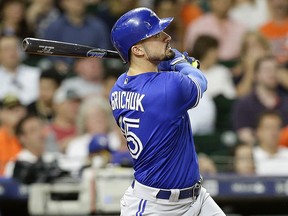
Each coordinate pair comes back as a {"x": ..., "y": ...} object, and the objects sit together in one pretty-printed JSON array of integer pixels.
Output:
[{"x": 137, "y": 50}]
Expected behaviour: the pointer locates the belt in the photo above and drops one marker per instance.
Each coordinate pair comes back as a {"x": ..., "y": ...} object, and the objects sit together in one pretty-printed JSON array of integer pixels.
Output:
[{"x": 192, "y": 192}]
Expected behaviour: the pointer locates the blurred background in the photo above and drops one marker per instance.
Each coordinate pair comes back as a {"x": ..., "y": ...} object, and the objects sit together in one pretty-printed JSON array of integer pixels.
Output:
[{"x": 61, "y": 152}]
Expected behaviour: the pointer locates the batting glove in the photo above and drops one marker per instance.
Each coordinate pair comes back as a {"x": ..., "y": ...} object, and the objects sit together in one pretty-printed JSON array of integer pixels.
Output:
[
  {"x": 171, "y": 65},
  {"x": 192, "y": 61}
]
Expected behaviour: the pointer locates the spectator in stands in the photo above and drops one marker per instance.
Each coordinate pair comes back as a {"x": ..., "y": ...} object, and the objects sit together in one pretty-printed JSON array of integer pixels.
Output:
[
  {"x": 219, "y": 78},
  {"x": 39, "y": 14},
  {"x": 265, "y": 96},
  {"x": 251, "y": 13},
  {"x": 270, "y": 158},
  {"x": 99, "y": 153},
  {"x": 190, "y": 11},
  {"x": 11, "y": 111},
  {"x": 31, "y": 164},
  {"x": 94, "y": 118},
  {"x": 206, "y": 165},
  {"x": 283, "y": 78},
  {"x": 76, "y": 26},
  {"x": 276, "y": 29},
  {"x": 49, "y": 82},
  {"x": 243, "y": 161},
  {"x": 284, "y": 132},
  {"x": 217, "y": 23},
  {"x": 284, "y": 137},
  {"x": 111, "y": 74},
  {"x": 89, "y": 77},
  {"x": 110, "y": 10},
  {"x": 13, "y": 23},
  {"x": 16, "y": 78},
  {"x": 63, "y": 127},
  {"x": 220, "y": 86},
  {"x": 121, "y": 156},
  {"x": 203, "y": 117},
  {"x": 253, "y": 47},
  {"x": 283, "y": 141}
]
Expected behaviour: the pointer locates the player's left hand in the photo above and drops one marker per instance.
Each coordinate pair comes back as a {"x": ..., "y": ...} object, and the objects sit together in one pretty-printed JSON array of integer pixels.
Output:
[{"x": 192, "y": 61}]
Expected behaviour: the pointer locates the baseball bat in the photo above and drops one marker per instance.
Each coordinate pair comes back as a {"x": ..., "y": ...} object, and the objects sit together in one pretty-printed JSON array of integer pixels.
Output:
[{"x": 59, "y": 48}]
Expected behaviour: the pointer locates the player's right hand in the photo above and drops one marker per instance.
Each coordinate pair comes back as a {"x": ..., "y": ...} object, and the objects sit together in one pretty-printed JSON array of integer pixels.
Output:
[
  {"x": 179, "y": 59},
  {"x": 170, "y": 65}
]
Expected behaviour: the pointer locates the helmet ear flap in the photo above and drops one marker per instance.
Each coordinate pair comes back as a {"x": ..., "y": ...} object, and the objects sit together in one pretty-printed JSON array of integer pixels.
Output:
[{"x": 134, "y": 26}]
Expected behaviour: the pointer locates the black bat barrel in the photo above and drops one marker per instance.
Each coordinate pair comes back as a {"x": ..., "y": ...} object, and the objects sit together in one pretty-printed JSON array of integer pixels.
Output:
[{"x": 58, "y": 48}]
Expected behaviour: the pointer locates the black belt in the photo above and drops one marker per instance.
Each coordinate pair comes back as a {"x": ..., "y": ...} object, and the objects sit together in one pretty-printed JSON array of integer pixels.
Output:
[{"x": 184, "y": 193}]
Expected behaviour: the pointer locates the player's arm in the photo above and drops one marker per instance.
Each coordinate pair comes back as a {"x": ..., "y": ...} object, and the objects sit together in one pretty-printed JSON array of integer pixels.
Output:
[{"x": 186, "y": 65}]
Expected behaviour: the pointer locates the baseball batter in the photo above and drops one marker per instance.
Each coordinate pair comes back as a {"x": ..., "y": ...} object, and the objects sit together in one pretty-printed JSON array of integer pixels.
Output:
[{"x": 150, "y": 103}]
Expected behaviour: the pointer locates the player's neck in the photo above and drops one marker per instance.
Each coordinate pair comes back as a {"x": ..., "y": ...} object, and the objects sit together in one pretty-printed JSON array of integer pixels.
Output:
[{"x": 138, "y": 67}]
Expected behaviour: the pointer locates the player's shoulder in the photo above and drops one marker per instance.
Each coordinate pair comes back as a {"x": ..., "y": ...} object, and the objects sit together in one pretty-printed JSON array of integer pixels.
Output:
[
  {"x": 172, "y": 77},
  {"x": 148, "y": 79},
  {"x": 168, "y": 75}
]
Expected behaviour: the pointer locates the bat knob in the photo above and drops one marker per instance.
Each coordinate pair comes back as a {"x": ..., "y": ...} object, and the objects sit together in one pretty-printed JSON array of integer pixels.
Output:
[{"x": 25, "y": 43}]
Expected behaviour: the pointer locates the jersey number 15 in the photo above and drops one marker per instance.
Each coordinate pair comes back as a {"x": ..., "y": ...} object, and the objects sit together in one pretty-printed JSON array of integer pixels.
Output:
[{"x": 134, "y": 144}]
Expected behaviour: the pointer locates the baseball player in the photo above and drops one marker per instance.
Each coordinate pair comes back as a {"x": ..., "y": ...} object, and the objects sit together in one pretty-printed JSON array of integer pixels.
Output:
[{"x": 150, "y": 103}]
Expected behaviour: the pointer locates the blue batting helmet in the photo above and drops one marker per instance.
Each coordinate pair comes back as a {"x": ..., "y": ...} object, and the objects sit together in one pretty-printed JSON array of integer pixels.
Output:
[{"x": 134, "y": 26}]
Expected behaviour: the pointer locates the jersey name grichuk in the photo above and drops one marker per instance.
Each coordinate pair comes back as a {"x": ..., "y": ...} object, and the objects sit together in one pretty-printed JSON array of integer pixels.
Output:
[{"x": 127, "y": 100}]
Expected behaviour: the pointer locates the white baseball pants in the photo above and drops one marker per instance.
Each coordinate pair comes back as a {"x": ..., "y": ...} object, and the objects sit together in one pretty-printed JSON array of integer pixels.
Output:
[{"x": 141, "y": 201}]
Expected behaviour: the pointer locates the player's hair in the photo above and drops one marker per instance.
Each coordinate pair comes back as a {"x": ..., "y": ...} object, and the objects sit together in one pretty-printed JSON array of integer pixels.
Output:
[{"x": 202, "y": 45}]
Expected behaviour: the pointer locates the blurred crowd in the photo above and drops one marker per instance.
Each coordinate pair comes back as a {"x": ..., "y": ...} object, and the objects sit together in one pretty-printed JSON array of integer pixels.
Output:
[{"x": 55, "y": 117}]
